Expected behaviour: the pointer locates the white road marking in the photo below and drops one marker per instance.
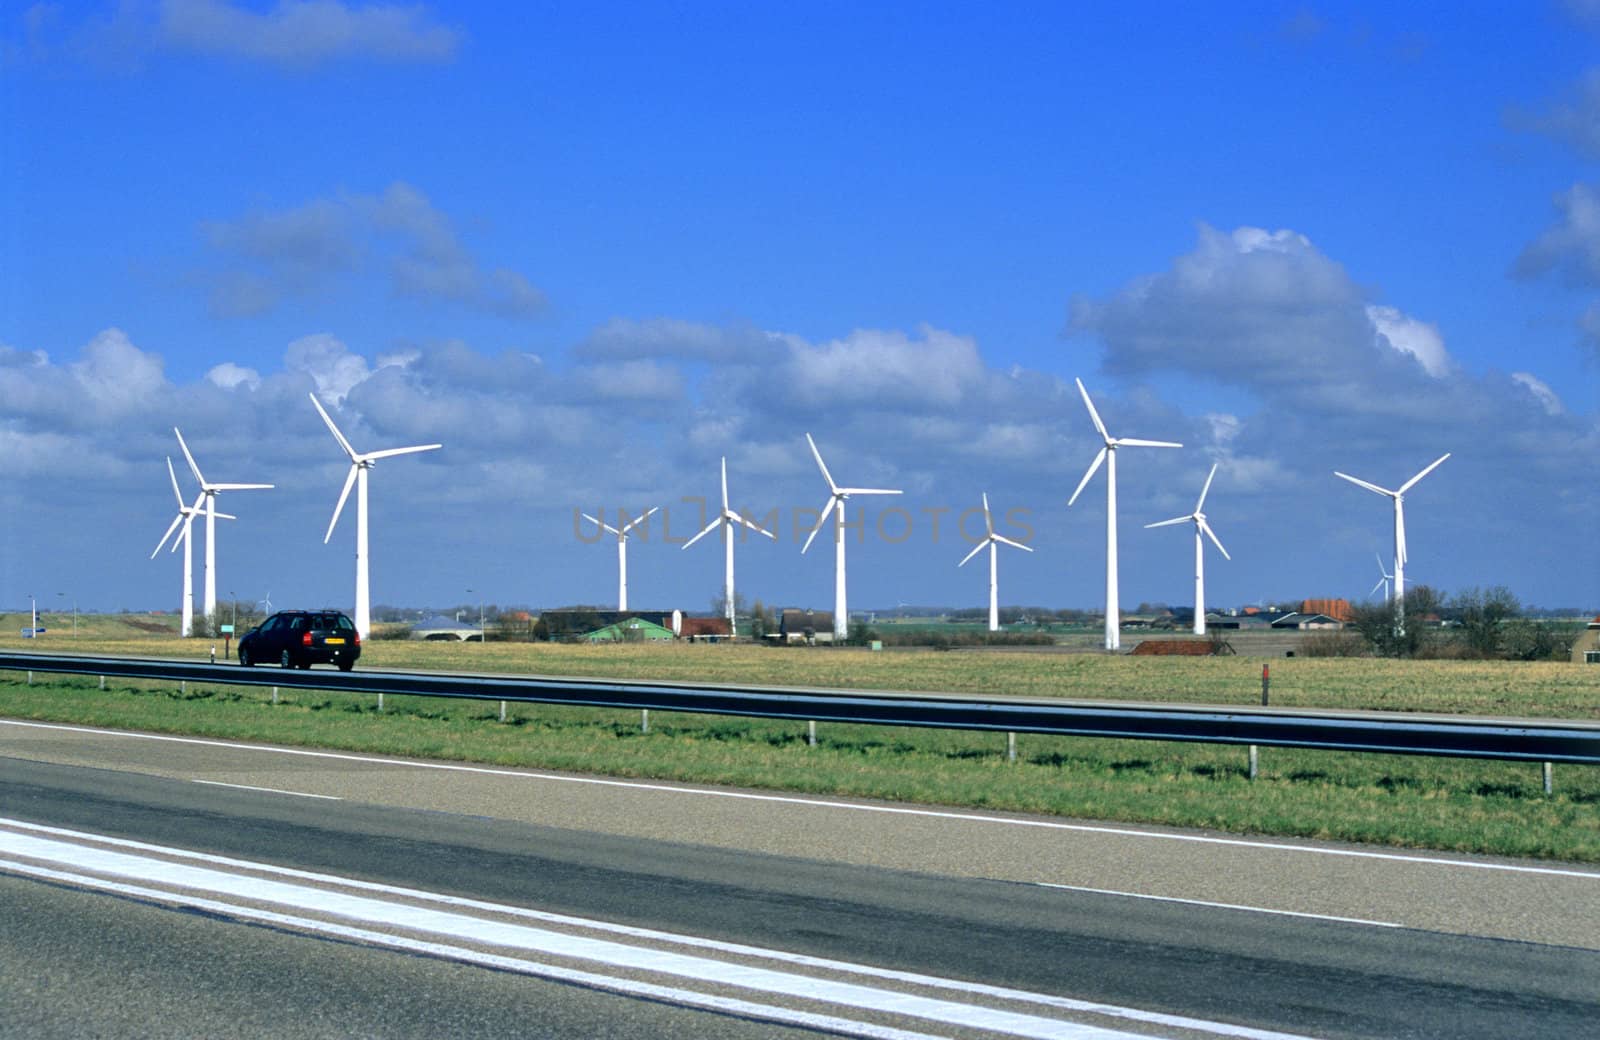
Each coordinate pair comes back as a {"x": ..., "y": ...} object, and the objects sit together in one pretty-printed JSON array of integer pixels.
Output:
[
  {"x": 213, "y": 888},
  {"x": 269, "y": 790},
  {"x": 1218, "y": 906},
  {"x": 971, "y": 817}
]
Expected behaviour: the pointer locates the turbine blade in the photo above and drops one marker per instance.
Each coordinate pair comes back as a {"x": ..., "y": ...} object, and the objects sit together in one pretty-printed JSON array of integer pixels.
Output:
[
  {"x": 822, "y": 466},
  {"x": 336, "y": 434},
  {"x": 725, "y": 483},
  {"x": 601, "y": 524},
  {"x": 1093, "y": 466},
  {"x": 349, "y": 480},
  {"x": 636, "y": 521},
  {"x": 170, "y": 528},
  {"x": 1375, "y": 489},
  {"x": 988, "y": 519},
  {"x": 841, "y": 492},
  {"x": 736, "y": 518},
  {"x": 1003, "y": 540},
  {"x": 391, "y": 452},
  {"x": 1407, "y": 486},
  {"x": 240, "y": 487},
  {"x": 225, "y": 516},
  {"x": 975, "y": 550},
  {"x": 1381, "y": 569},
  {"x": 1378, "y": 584},
  {"x": 1214, "y": 540},
  {"x": 707, "y": 529},
  {"x": 1093, "y": 415},
  {"x": 175, "y": 492},
  {"x": 1198, "y": 506},
  {"x": 1134, "y": 442},
  {"x": 190, "y": 457},
  {"x": 1169, "y": 523},
  {"x": 823, "y": 518}
]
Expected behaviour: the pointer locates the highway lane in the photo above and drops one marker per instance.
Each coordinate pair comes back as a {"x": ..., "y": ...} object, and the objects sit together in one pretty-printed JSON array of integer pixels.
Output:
[{"x": 466, "y": 833}]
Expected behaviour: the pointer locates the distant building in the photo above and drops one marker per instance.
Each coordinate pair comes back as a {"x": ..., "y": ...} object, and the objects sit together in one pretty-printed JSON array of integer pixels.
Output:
[
  {"x": 705, "y": 629},
  {"x": 1586, "y": 648},
  {"x": 1305, "y": 622},
  {"x": 805, "y": 626},
  {"x": 631, "y": 630},
  {"x": 440, "y": 628},
  {"x": 1338, "y": 609}
]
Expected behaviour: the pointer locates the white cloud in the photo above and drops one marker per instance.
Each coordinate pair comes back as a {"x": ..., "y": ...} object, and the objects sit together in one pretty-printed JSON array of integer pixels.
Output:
[
  {"x": 306, "y": 32},
  {"x": 887, "y": 368},
  {"x": 230, "y": 376},
  {"x": 1406, "y": 334},
  {"x": 1570, "y": 246},
  {"x": 118, "y": 375},
  {"x": 1541, "y": 392},
  {"x": 315, "y": 248},
  {"x": 329, "y": 363}
]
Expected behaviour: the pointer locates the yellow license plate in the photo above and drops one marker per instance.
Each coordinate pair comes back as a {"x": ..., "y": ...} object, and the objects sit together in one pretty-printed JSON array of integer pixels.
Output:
[{"x": 335, "y": 641}]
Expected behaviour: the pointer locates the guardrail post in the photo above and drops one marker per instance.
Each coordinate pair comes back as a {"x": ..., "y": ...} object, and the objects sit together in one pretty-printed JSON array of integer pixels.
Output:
[
  {"x": 1253, "y": 762},
  {"x": 274, "y": 695},
  {"x": 1266, "y": 686},
  {"x": 183, "y": 687},
  {"x": 380, "y": 701},
  {"x": 1011, "y": 747},
  {"x": 644, "y": 720},
  {"x": 1549, "y": 781},
  {"x": 30, "y": 677},
  {"x": 102, "y": 682},
  {"x": 811, "y": 733},
  {"x": 502, "y": 711}
]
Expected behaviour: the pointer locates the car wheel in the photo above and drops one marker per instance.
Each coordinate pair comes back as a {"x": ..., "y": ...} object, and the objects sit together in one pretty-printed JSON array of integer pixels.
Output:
[
  {"x": 345, "y": 666},
  {"x": 287, "y": 660},
  {"x": 244, "y": 658}
]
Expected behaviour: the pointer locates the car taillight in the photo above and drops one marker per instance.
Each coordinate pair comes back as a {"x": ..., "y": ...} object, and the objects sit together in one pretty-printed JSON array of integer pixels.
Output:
[
  {"x": 358, "y": 639},
  {"x": 305, "y": 640}
]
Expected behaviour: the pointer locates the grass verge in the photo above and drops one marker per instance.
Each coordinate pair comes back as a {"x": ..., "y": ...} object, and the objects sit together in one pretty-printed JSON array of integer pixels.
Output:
[{"x": 1449, "y": 804}]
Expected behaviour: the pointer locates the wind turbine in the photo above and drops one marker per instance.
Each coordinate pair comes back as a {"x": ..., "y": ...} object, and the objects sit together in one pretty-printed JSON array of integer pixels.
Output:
[
  {"x": 185, "y": 517},
  {"x": 835, "y": 504},
  {"x": 210, "y": 492},
  {"x": 727, "y": 519},
  {"x": 1383, "y": 581},
  {"x": 1108, "y": 455},
  {"x": 360, "y": 462},
  {"x": 1200, "y": 527},
  {"x": 622, "y": 549},
  {"x": 993, "y": 541},
  {"x": 1398, "y": 496}
]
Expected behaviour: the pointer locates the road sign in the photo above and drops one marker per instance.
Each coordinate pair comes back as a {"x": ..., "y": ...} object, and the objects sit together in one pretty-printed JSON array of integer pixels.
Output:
[{"x": 227, "y": 630}]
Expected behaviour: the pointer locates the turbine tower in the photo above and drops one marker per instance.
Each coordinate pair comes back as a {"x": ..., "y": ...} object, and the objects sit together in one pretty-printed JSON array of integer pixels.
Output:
[
  {"x": 360, "y": 462},
  {"x": 210, "y": 492},
  {"x": 1108, "y": 455},
  {"x": 835, "y": 504},
  {"x": 185, "y": 517},
  {"x": 992, "y": 540},
  {"x": 622, "y": 549},
  {"x": 727, "y": 520},
  {"x": 1200, "y": 527},
  {"x": 1398, "y": 496}
]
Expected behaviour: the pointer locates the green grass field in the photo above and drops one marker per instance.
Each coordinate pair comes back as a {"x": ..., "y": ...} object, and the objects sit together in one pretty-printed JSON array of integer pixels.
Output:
[{"x": 1400, "y": 800}]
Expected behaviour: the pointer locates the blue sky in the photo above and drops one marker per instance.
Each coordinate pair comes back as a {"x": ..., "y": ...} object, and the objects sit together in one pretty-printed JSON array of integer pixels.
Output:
[{"x": 591, "y": 249}]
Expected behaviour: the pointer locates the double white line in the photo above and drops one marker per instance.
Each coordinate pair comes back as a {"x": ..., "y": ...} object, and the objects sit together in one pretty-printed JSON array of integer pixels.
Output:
[{"x": 849, "y": 999}]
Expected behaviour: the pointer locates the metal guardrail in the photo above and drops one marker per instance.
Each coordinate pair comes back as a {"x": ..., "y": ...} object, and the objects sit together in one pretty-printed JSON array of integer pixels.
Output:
[{"x": 1405, "y": 734}]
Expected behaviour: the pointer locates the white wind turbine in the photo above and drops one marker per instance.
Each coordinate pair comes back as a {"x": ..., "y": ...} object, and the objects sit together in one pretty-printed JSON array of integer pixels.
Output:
[
  {"x": 1108, "y": 455},
  {"x": 1200, "y": 527},
  {"x": 993, "y": 540},
  {"x": 727, "y": 520},
  {"x": 835, "y": 504},
  {"x": 185, "y": 517},
  {"x": 1383, "y": 580},
  {"x": 360, "y": 462},
  {"x": 1398, "y": 496},
  {"x": 622, "y": 548},
  {"x": 210, "y": 493}
]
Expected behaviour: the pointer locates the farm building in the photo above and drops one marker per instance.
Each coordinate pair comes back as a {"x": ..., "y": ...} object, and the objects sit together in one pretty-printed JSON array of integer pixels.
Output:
[
  {"x": 444, "y": 629},
  {"x": 805, "y": 626},
  {"x": 1305, "y": 622},
  {"x": 1586, "y": 648},
  {"x": 704, "y": 629},
  {"x": 631, "y": 630}
]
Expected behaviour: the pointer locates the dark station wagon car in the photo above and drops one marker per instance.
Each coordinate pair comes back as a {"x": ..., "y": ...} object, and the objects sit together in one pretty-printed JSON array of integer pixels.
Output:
[{"x": 301, "y": 638}]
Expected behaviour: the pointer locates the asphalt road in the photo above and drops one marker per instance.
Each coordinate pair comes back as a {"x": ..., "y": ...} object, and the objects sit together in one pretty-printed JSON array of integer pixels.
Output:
[{"x": 1307, "y": 939}]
